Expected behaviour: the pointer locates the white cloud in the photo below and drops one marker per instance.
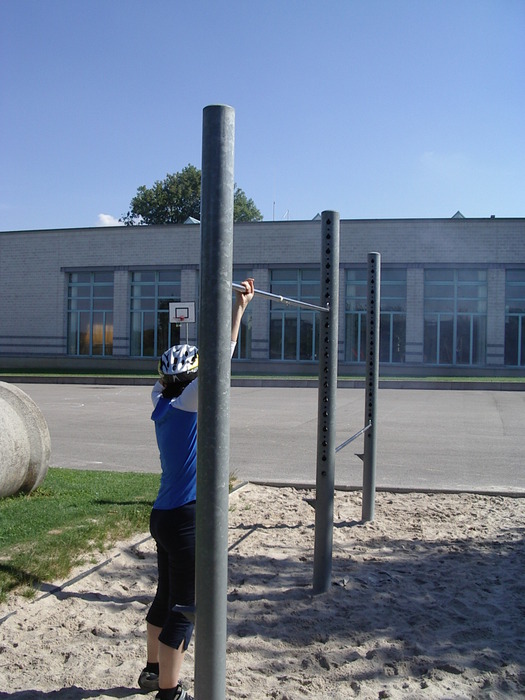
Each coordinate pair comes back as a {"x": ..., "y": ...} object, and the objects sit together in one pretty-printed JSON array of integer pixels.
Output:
[{"x": 108, "y": 220}]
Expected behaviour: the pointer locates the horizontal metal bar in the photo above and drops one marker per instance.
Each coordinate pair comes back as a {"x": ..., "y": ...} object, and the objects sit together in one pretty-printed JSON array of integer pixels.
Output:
[
  {"x": 351, "y": 439},
  {"x": 281, "y": 299}
]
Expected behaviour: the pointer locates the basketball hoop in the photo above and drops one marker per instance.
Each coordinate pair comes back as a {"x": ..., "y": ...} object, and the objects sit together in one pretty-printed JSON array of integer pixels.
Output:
[{"x": 182, "y": 312}]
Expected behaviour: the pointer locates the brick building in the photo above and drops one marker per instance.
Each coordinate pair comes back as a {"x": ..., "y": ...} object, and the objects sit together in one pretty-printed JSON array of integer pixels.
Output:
[{"x": 452, "y": 295}]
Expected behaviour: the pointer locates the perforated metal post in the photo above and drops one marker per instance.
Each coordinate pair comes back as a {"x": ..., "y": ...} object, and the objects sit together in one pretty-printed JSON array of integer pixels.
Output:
[
  {"x": 328, "y": 345},
  {"x": 371, "y": 384},
  {"x": 213, "y": 440}
]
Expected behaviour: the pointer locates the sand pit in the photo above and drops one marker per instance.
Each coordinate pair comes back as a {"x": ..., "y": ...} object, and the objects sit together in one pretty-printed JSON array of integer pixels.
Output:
[{"x": 427, "y": 602}]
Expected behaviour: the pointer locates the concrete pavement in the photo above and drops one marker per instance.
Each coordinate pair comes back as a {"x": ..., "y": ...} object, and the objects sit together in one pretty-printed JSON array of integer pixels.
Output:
[{"x": 426, "y": 439}]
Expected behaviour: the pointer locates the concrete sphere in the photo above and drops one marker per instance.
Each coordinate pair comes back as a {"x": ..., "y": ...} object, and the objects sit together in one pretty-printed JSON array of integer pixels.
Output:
[{"x": 25, "y": 443}]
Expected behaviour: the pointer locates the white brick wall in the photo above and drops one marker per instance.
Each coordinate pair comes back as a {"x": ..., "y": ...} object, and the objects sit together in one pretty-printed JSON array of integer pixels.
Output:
[{"x": 34, "y": 266}]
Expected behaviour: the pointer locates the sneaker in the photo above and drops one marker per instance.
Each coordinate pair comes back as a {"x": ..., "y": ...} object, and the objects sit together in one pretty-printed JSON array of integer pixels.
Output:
[
  {"x": 148, "y": 681},
  {"x": 177, "y": 693}
]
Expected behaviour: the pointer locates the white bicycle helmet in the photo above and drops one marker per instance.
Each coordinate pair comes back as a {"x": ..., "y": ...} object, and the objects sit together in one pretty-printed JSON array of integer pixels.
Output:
[{"x": 179, "y": 363}]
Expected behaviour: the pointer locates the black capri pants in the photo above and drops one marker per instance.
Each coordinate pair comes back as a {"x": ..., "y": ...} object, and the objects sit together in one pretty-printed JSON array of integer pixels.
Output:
[{"x": 174, "y": 532}]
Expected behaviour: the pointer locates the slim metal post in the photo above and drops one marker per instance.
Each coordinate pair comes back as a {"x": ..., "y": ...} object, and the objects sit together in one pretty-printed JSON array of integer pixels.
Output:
[
  {"x": 371, "y": 384},
  {"x": 213, "y": 440},
  {"x": 328, "y": 345}
]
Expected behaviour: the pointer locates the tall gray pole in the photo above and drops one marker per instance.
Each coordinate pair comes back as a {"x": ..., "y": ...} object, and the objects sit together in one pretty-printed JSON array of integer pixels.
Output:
[
  {"x": 213, "y": 439},
  {"x": 328, "y": 346},
  {"x": 371, "y": 384}
]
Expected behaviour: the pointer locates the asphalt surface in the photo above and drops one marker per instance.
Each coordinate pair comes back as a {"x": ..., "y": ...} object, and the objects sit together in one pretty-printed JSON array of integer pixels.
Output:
[{"x": 426, "y": 439}]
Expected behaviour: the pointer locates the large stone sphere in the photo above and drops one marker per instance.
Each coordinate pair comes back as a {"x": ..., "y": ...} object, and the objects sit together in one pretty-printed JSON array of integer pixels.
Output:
[{"x": 25, "y": 443}]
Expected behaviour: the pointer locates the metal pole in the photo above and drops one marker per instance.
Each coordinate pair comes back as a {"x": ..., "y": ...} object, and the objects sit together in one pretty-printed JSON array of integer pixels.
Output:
[
  {"x": 213, "y": 439},
  {"x": 283, "y": 300},
  {"x": 328, "y": 344},
  {"x": 371, "y": 384}
]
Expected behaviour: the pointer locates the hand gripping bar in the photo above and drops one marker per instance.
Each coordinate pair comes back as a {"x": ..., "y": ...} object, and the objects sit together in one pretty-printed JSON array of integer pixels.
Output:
[{"x": 281, "y": 299}]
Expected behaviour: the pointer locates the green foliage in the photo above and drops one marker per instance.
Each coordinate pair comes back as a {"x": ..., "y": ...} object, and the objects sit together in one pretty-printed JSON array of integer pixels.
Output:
[
  {"x": 177, "y": 197},
  {"x": 44, "y": 534},
  {"x": 244, "y": 209}
]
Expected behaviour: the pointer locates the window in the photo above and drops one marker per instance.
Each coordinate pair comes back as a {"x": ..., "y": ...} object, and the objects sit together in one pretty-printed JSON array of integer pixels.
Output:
[
  {"x": 151, "y": 293},
  {"x": 244, "y": 343},
  {"x": 515, "y": 318},
  {"x": 455, "y": 316},
  {"x": 90, "y": 313},
  {"x": 293, "y": 331},
  {"x": 392, "y": 320}
]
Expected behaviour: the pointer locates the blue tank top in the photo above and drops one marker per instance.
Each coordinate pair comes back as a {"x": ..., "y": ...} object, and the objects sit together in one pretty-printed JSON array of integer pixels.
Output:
[{"x": 176, "y": 432}]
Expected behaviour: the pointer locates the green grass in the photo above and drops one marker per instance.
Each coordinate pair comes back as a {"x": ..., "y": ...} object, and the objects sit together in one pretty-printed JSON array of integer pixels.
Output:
[
  {"x": 152, "y": 376},
  {"x": 388, "y": 378},
  {"x": 67, "y": 373},
  {"x": 486, "y": 380},
  {"x": 65, "y": 521}
]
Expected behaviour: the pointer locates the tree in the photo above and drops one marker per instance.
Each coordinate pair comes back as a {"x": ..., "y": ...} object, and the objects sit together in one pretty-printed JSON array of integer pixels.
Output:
[
  {"x": 177, "y": 197},
  {"x": 244, "y": 209}
]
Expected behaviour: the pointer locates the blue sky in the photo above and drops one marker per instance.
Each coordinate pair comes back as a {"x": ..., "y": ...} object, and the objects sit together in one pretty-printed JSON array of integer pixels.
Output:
[{"x": 374, "y": 108}]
